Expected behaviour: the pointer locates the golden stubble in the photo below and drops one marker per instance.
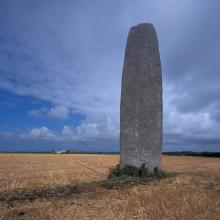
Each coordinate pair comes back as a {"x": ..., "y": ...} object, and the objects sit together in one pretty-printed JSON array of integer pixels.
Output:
[{"x": 192, "y": 193}]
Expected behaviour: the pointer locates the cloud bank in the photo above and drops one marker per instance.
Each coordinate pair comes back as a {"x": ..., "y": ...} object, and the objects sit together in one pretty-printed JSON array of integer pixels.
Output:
[{"x": 72, "y": 56}]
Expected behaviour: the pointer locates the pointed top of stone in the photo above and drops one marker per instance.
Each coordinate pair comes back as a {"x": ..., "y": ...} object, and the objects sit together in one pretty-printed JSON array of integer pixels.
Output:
[
  {"x": 143, "y": 25},
  {"x": 146, "y": 27}
]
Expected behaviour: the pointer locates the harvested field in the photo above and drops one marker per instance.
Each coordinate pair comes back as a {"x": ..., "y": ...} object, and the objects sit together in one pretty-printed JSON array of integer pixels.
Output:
[{"x": 74, "y": 186}]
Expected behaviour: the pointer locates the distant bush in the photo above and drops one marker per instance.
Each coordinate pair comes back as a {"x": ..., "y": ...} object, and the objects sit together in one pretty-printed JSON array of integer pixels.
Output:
[{"x": 133, "y": 171}]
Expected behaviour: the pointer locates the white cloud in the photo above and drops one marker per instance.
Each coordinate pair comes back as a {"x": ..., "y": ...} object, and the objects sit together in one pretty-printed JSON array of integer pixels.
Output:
[
  {"x": 91, "y": 131},
  {"x": 190, "y": 129},
  {"x": 39, "y": 133},
  {"x": 60, "y": 112},
  {"x": 83, "y": 133},
  {"x": 38, "y": 113}
]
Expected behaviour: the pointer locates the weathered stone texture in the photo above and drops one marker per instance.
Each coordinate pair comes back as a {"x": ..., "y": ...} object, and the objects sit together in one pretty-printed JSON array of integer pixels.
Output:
[{"x": 141, "y": 100}]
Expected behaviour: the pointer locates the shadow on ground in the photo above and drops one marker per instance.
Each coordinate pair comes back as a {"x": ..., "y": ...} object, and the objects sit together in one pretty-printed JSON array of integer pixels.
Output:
[{"x": 73, "y": 191}]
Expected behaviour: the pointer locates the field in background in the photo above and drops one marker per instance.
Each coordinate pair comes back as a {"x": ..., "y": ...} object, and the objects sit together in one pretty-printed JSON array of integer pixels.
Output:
[{"x": 44, "y": 186}]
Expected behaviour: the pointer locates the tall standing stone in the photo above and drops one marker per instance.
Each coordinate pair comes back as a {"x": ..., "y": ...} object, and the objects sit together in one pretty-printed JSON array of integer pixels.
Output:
[{"x": 141, "y": 100}]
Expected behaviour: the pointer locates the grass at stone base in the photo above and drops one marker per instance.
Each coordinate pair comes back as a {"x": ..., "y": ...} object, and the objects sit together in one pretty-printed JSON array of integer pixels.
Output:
[
  {"x": 129, "y": 176},
  {"x": 141, "y": 172}
]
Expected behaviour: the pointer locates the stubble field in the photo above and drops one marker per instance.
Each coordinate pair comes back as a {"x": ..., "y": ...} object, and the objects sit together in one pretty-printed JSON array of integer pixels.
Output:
[{"x": 74, "y": 186}]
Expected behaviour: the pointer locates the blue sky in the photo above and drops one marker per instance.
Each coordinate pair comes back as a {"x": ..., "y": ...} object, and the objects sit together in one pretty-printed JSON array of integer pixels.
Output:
[{"x": 61, "y": 65}]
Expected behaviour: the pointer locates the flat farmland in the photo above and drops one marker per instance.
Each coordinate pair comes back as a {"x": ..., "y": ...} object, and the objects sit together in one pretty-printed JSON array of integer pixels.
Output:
[{"x": 74, "y": 186}]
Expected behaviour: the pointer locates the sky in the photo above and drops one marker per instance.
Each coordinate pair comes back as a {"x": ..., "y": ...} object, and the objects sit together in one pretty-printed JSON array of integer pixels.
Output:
[{"x": 61, "y": 67}]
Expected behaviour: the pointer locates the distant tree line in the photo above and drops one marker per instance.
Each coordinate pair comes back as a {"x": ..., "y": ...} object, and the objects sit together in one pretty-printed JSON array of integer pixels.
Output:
[{"x": 191, "y": 153}]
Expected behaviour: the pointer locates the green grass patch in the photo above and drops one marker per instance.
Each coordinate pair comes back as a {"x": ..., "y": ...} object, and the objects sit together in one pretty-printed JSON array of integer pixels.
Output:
[{"x": 132, "y": 171}]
